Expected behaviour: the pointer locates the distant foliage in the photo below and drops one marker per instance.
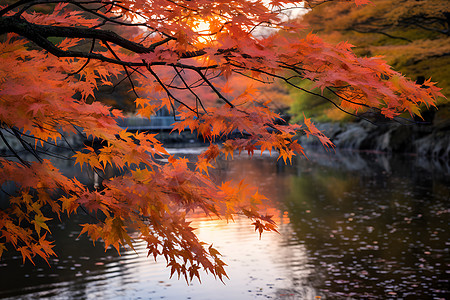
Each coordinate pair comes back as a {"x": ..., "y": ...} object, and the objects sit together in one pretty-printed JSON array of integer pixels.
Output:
[{"x": 413, "y": 36}]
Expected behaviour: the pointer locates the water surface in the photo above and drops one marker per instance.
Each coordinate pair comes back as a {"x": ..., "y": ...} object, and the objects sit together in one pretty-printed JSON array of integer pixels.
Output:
[{"x": 352, "y": 226}]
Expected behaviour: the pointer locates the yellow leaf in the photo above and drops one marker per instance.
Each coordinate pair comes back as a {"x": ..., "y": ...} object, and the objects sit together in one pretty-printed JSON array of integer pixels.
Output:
[{"x": 39, "y": 222}]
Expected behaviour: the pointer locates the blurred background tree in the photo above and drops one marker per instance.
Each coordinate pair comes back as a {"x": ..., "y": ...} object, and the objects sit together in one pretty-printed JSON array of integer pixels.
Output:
[{"x": 412, "y": 35}]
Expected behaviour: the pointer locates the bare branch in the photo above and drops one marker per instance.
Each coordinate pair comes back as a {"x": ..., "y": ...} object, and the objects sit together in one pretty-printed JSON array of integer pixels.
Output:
[
  {"x": 214, "y": 88},
  {"x": 124, "y": 67},
  {"x": 25, "y": 163},
  {"x": 197, "y": 98},
  {"x": 167, "y": 90},
  {"x": 87, "y": 61},
  {"x": 26, "y": 146}
]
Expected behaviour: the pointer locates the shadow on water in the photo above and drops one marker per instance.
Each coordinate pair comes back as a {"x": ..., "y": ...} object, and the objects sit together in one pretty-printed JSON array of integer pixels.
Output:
[
  {"x": 375, "y": 226},
  {"x": 353, "y": 226}
]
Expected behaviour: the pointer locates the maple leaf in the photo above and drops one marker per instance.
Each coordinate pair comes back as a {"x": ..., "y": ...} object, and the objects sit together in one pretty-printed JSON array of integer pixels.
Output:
[
  {"x": 46, "y": 246},
  {"x": 211, "y": 153},
  {"x": 2, "y": 248},
  {"x": 266, "y": 145},
  {"x": 83, "y": 158},
  {"x": 228, "y": 149},
  {"x": 311, "y": 129},
  {"x": 69, "y": 204},
  {"x": 39, "y": 222},
  {"x": 257, "y": 198},
  {"x": 258, "y": 227},
  {"x": 93, "y": 230},
  {"x": 296, "y": 147},
  {"x": 26, "y": 254},
  {"x": 142, "y": 102},
  {"x": 36, "y": 108},
  {"x": 203, "y": 165}
]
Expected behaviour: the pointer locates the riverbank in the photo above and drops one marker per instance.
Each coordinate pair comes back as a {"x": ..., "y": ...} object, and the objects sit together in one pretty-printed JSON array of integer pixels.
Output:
[{"x": 431, "y": 140}]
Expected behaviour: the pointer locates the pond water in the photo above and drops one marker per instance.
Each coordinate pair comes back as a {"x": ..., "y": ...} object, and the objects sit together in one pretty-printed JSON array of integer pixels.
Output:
[{"x": 352, "y": 226}]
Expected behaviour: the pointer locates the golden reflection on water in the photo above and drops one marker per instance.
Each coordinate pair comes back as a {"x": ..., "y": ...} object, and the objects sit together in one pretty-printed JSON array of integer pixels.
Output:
[{"x": 257, "y": 268}]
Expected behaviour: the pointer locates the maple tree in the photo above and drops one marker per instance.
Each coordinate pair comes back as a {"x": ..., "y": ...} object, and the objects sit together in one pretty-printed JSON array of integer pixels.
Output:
[{"x": 179, "y": 56}]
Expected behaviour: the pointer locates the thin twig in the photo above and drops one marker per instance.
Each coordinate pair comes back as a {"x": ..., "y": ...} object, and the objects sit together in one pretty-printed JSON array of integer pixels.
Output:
[
  {"x": 124, "y": 67},
  {"x": 87, "y": 60},
  {"x": 25, "y": 163}
]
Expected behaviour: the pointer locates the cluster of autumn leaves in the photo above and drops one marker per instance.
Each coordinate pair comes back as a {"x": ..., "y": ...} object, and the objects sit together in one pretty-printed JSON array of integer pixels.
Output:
[{"x": 180, "y": 59}]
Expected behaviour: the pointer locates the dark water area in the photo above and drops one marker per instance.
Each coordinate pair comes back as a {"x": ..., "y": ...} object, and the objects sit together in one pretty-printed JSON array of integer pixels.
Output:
[{"x": 352, "y": 226}]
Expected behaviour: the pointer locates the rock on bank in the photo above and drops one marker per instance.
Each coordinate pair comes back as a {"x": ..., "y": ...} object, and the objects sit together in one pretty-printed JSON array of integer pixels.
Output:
[{"x": 431, "y": 140}]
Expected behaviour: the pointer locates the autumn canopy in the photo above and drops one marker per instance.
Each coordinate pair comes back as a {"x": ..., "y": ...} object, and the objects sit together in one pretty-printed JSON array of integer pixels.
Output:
[{"x": 177, "y": 55}]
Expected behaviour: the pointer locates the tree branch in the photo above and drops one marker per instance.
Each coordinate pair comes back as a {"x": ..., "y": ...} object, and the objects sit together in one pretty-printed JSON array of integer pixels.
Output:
[
  {"x": 383, "y": 33},
  {"x": 25, "y": 163},
  {"x": 124, "y": 67},
  {"x": 27, "y": 29},
  {"x": 13, "y": 6},
  {"x": 197, "y": 98},
  {"x": 167, "y": 90}
]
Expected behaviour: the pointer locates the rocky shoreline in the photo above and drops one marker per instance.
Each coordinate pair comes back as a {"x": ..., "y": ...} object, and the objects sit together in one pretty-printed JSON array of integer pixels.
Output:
[{"x": 425, "y": 140}]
